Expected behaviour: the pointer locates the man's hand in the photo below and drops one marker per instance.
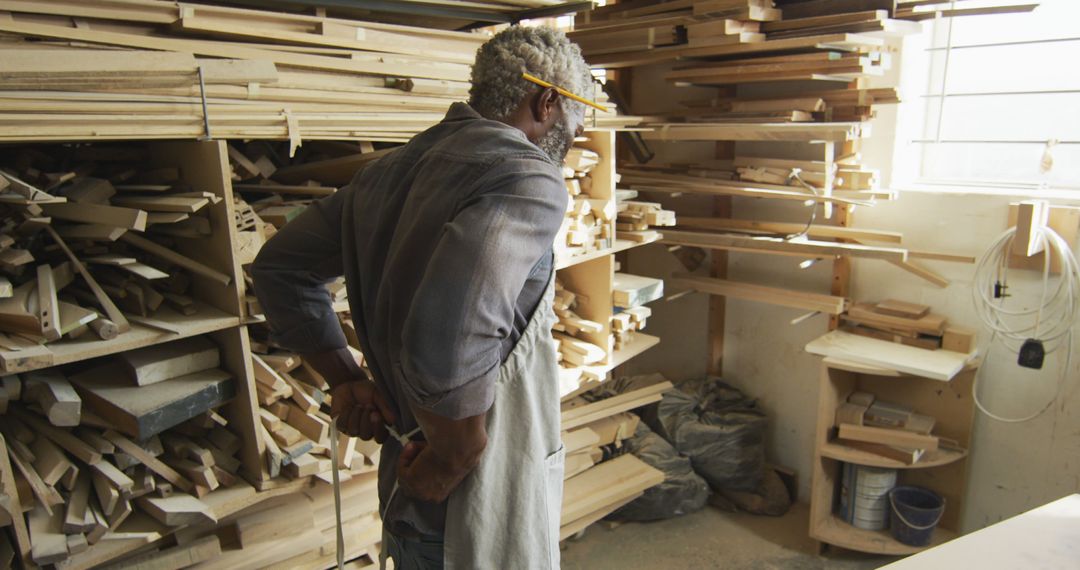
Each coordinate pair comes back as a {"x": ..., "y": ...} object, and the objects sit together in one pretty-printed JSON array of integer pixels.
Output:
[
  {"x": 360, "y": 410},
  {"x": 430, "y": 470}
]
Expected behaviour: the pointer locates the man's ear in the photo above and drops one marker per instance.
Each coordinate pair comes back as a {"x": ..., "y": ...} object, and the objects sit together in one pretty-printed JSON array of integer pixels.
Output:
[{"x": 545, "y": 105}]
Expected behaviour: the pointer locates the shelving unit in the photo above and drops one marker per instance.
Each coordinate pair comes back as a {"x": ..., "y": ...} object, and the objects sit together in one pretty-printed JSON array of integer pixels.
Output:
[
  {"x": 592, "y": 274},
  {"x": 944, "y": 471}
]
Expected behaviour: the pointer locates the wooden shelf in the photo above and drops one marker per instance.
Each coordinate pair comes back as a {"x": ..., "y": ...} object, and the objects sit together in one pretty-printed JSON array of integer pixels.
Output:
[
  {"x": 936, "y": 458},
  {"x": 618, "y": 246},
  {"x": 641, "y": 343},
  {"x": 837, "y": 532},
  {"x": 208, "y": 319}
]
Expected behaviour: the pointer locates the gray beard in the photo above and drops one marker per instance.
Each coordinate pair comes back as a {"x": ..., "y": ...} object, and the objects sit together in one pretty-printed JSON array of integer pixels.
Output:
[{"x": 556, "y": 143}]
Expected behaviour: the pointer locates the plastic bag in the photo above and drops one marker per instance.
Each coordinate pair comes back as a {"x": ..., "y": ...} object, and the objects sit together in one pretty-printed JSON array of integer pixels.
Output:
[{"x": 683, "y": 491}]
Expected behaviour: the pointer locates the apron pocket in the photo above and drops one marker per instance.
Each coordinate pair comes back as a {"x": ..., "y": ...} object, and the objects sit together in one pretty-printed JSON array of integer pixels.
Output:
[{"x": 553, "y": 473}]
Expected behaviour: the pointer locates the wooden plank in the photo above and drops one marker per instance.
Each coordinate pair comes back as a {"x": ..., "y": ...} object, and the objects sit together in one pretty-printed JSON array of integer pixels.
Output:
[
  {"x": 64, "y": 438},
  {"x": 179, "y": 204},
  {"x": 92, "y": 232},
  {"x": 921, "y": 272},
  {"x": 939, "y": 365},
  {"x": 9, "y": 502},
  {"x": 903, "y": 309},
  {"x": 161, "y": 362},
  {"x": 826, "y": 132},
  {"x": 789, "y": 228},
  {"x": 110, "y": 308},
  {"x": 203, "y": 549},
  {"x": 800, "y": 248},
  {"x": 776, "y": 296},
  {"x": 582, "y": 415},
  {"x": 98, "y": 214},
  {"x": 927, "y": 324},
  {"x": 607, "y": 483},
  {"x": 151, "y": 462},
  {"x": 170, "y": 255},
  {"x": 887, "y": 436},
  {"x": 456, "y": 72},
  {"x": 143, "y": 413}
]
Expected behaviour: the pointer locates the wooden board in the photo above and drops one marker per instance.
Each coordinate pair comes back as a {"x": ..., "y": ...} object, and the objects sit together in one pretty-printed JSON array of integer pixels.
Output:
[
  {"x": 776, "y": 246},
  {"x": 98, "y": 214},
  {"x": 760, "y": 293},
  {"x": 903, "y": 309},
  {"x": 160, "y": 362},
  {"x": 934, "y": 364},
  {"x": 143, "y": 412},
  {"x": 178, "y": 510},
  {"x": 928, "y": 324},
  {"x": 607, "y": 483},
  {"x": 886, "y": 436}
]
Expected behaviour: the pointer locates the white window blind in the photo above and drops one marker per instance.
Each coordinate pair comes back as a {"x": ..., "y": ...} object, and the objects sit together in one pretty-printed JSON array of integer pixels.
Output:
[{"x": 999, "y": 90}]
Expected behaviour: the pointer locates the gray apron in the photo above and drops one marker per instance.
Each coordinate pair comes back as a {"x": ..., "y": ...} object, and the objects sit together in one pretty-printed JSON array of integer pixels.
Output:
[{"x": 505, "y": 514}]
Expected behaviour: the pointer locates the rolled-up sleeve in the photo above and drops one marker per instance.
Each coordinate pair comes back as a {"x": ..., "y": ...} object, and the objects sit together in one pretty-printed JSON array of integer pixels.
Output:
[
  {"x": 464, "y": 307},
  {"x": 290, "y": 273}
]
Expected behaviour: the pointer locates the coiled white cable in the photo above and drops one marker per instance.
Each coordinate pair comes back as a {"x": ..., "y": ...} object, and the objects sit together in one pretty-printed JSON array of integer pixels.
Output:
[{"x": 1051, "y": 321}]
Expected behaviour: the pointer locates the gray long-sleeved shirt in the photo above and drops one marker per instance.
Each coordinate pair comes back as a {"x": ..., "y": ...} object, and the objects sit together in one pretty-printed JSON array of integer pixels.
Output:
[{"x": 446, "y": 248}]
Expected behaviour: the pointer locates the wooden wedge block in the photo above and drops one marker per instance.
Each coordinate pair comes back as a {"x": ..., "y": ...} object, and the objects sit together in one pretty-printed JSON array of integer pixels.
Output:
[
  {"x": 49, "y": 461},
  {"x": 156, "y": 363},
  {"x": 178, "y": 510},
  {"x": 57, "y": 398},
  {"x": 304, "y": 466}
]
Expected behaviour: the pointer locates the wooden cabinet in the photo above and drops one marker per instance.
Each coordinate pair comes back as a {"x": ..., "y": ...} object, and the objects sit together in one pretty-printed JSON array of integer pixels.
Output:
[{"x": 943, "y": 471}]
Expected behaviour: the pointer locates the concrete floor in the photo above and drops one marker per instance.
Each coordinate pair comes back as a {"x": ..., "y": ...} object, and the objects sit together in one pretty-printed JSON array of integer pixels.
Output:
[{"x": 710, "y": 538}]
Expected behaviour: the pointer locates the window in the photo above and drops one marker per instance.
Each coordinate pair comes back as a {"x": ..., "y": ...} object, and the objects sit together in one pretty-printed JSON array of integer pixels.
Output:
[{"x": 989, "y": 99}]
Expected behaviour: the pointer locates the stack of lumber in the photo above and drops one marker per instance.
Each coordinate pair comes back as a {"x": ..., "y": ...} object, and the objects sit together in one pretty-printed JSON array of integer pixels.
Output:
[
  {"x": 85, "y": 487},
  {"x": 573, "y": 350},
  {"x": 630, "y": 293},
  {"x": 294, "y": 429},
  {"x": 887, "y": 429},
  {"x": 297, "y": 529},
  {"x": 587, "y": 226},
  {"x": 627, "y": 322},
  {"x": 636, "y": 218},
  {"x": 906, "y": 323},
  {"x": 600, "y": 477},
  {"x": 141, "y": 69},
  {"x": 88, "y": 241}
]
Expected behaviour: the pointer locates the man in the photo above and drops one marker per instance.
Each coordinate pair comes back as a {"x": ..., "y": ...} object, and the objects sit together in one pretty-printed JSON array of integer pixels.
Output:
[{"x": 446, "y": 248}]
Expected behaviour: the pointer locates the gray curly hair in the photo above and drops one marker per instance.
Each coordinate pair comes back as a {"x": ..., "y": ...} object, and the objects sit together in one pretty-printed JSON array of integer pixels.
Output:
[{"x": 497, "y": 86}]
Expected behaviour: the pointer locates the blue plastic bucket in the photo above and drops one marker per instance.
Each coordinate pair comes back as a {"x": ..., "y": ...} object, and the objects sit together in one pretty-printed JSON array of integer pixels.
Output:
[{"x": 915, "y": 513}]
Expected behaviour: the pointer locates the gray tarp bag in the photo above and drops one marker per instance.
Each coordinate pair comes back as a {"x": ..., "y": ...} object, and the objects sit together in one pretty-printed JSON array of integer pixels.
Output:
[
  {"x": 720, "y": 429},
  {"x": 682, "y": 491}
]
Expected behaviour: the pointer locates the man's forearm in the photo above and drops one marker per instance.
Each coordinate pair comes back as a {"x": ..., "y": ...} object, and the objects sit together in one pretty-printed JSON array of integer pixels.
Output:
[
  {"x": 452, "y": 450},
  {"x": 336, "y": 366}
]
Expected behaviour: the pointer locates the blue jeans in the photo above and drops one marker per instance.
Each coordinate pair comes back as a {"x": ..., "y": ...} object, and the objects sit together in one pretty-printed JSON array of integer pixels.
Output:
[{"x": 424, "y": 553}]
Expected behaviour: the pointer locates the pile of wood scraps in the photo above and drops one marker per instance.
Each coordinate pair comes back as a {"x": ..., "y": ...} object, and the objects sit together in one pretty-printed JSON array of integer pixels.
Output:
[
  {"x": 574, "y": 351},
  {"x": 588, "y": 223},
  {"x": 90, "y": 240},
  {"x": 889, "y": 430},
  {"x": 294, "y": 429},
  {"x": 906, "y": 323},
  {"x": 636, "y": 218},
  {"x": 600, "y": 476},
  {"x": 630, "y": 293},
  {"x": 85, "y": 481}
]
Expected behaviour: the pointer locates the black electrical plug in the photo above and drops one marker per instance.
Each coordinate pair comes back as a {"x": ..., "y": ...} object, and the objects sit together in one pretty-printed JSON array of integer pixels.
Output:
[
  {"x": 1031, "y": 354},
  {"x": 999, "y": 290}
]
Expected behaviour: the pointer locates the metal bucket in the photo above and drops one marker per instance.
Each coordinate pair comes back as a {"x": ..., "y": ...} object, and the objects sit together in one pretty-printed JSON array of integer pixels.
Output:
[{"x": 864, "y": 496}]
